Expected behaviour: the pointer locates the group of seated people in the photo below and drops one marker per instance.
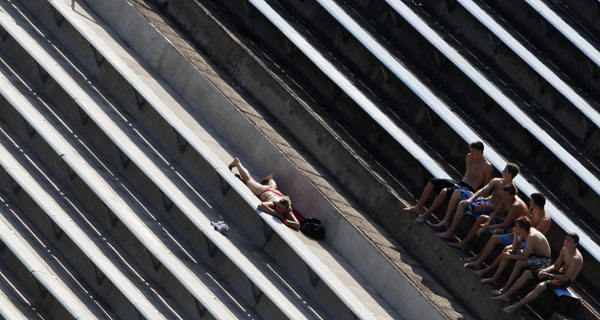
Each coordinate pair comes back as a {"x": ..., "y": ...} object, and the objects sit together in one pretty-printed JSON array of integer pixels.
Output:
[{"x": 498, "y": 209}]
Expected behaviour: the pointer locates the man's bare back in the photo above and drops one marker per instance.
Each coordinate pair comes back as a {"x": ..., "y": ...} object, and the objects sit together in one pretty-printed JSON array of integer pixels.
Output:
[{"x": 538, "y": 243}]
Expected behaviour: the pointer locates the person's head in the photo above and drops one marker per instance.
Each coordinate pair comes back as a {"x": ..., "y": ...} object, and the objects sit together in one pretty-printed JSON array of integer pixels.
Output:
[
  {"x": 537, "y": 200},
  {"x": 509, "y": 191},
  {"x": 282, "y": 205},
  {"x": 571, "y": 240},
  {"x": 511, "y": 170},
  {"x": 476, "y": 148},
  {"x": 522, "y": 224}
]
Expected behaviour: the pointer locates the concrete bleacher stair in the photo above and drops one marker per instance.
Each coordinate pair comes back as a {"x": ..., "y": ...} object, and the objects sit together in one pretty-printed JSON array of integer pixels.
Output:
[
  {"x": 118, "y": 117},
  {"x": 16, "y": 303},
  {"x": 237, "y": 70},
  {"x": 43, "y": 271}
]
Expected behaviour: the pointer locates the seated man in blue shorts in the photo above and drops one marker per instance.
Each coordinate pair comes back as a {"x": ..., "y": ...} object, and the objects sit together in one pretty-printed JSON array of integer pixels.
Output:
[
  {"x": 477, "y": 173},
  {"x": 540, "y": 219},
  {"x": 511, "y": 205},
  {"x": 559, "y": 275},
  {"x": 484, "y": 200}
]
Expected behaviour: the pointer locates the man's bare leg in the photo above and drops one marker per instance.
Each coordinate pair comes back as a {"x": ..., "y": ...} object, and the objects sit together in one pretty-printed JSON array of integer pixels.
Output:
[
  {"x": 268, "y": 180},
  {"x": 528, "y": 298},
  {"x": 437, "y": 202},
  {"x": 501, "y": 267},
  {"x": 485, "y": 252},
  {"x": 490, "y": 267},
  {"x": 472, "y": 232},
  {"x": 505, "y": 297},
  {"x": 417, "y": 208},
  {"x": 454, "y": 200},
  {"x": 254, "y": 186},
  {"x": 519, "y": 265},
  {"x": 458, "y": 215}
]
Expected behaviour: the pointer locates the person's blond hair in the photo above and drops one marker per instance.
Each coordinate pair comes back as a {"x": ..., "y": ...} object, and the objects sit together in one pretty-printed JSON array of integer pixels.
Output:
[{"x": 285, "y": 201}]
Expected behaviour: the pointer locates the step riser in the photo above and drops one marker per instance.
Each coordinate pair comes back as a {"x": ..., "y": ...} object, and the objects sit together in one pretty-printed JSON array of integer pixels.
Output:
[
  {"x": 196, "y": 166},
  {"x": 30, "y": 285},
  {"x": 222, "y": 266},
  {"x": 152, "y": 199}
]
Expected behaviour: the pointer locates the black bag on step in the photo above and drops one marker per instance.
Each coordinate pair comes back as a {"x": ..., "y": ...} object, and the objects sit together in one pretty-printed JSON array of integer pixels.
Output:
[{"x": 312, "y": 228}]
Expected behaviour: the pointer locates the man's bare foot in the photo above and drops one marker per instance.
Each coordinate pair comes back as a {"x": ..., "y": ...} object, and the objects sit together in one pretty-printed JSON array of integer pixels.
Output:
[
  {"x": 414, "y": 209},
  {"x": 470, "y": 259},
  {"x": 420, "y": 219},
  {"x": 458, "y": 245},
  {"x": 511, "y": 309},
  {"x": 488, "y": 280},
  {"x": 441, "y": 225},
  {"x": 472, "y": 264},
  {"x": 234, "y": 163},
  {"x": 445, "y": 235},
  {"x": 481, "y": 272},
  {"x": 502, "y": 298},
  {"x": 498, "y": 292}
]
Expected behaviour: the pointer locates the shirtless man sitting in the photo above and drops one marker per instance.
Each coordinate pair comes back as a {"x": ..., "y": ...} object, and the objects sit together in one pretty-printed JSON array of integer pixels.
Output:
[
  {"x": 560, "y": 275},
  {"x": 273, "y": 201},
  {"x": 510, "y": 208},
  {"x": 481, "y": 202},
  {"x": 540, "y": 219},
  {"x": 535, "y": 256},
  {"x": 477, "y": 173}
]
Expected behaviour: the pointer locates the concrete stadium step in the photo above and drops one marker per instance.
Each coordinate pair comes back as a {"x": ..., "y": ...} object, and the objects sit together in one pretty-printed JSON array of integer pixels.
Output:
[
  {"x": 225, "y": 269},
  {"x": 96, "y": 255},
  {"x": 498, "y": 166},
  {"x": 149, "y": 52},
  {"x": 575, "y": 133},
  {"x": 469, "y": 109},
  {"x": 585, "y": 13},
  {"x": 190, "y": 282},
  {"x": 550, "y": 44},
  {"x": 567, "y": 24},
  {"x": 258, "y": 282},
  {"x": 152, "y": 54},
  {"x": 16, "y": 302},
  {"x": 372, "y": 13},
  {"x": 358, "y": 289},
  {"x": 261, "y": 80},
  {"x": 43, "y": 272}
]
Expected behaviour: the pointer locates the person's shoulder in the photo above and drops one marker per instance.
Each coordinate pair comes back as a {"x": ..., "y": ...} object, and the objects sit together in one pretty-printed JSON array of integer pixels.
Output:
[
  {"x": 496, "y": 181},
  {"x": 578, "y": 255}
]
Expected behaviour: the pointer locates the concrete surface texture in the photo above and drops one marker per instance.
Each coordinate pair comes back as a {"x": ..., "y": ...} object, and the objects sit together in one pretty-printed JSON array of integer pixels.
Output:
[{"x": 119, "y": 118}]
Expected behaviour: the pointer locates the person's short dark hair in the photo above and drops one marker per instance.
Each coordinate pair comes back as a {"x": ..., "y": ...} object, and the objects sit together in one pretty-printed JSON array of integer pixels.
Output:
[
  {"x": 511, "y": 189},
  {"x": 285, "y": 201},
  {"x": 574, "y": 236},
  {"x": 477, "y": 145},
  {"x": 513, "y": 169},
  {"x": 538, "y": 199},
  {"x": 523, "y": 223}
]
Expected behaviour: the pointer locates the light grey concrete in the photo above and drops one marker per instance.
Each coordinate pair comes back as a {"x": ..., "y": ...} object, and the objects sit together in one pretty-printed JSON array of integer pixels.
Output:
[
  {"x": 15, "y": 302},
  {"x": 187, "y": 274},
  {"x": 45, "y": 268},
  {"x": 252, "y": 272},
  {"x": 86, "y": 254},
  {"x": 152, "y": 53},
  {"x": 255, "y": 200}
]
